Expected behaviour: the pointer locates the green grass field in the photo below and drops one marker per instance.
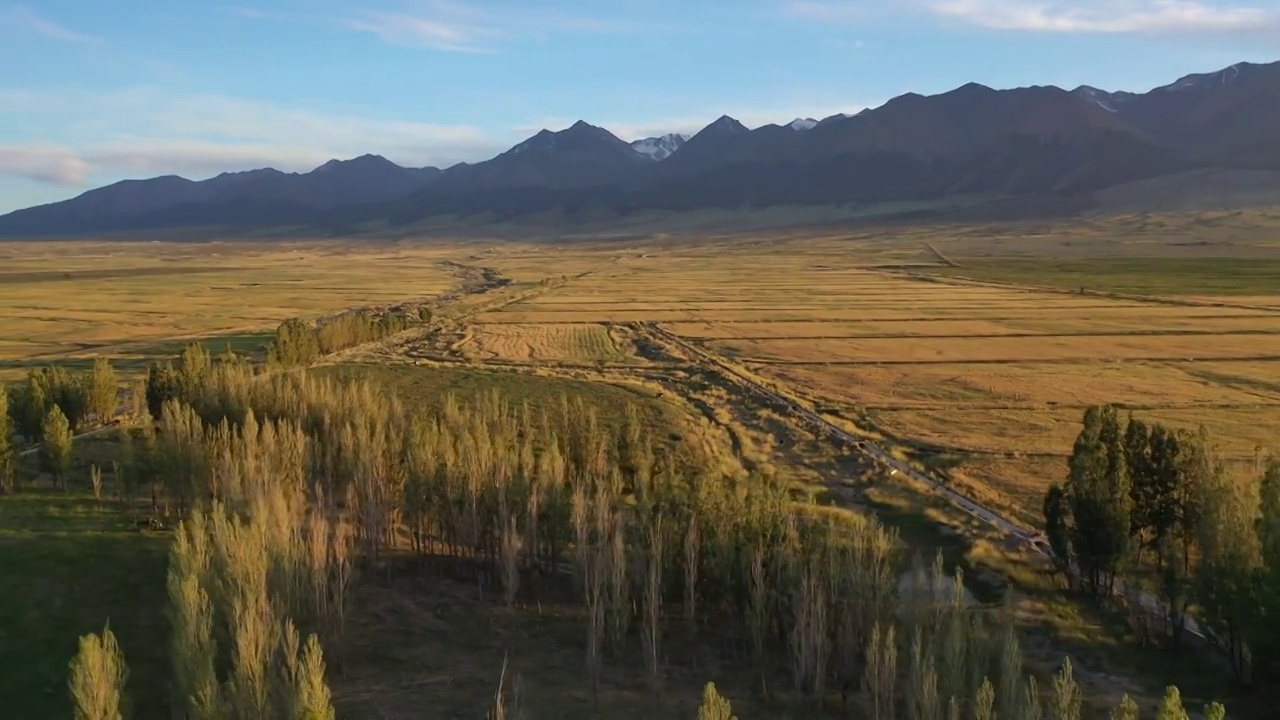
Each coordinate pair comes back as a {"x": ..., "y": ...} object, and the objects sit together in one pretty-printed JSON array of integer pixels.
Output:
[
  {"x": 71, "y": 565},
  {"x": 1196, "y": 276}
]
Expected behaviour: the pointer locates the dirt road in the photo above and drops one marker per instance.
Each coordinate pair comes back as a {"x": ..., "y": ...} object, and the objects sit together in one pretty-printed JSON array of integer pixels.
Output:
[{"x": 1024, "y": 536}]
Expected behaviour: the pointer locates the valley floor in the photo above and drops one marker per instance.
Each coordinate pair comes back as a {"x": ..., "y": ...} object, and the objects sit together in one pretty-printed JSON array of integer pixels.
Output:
[{"x": 967, "y": 354}]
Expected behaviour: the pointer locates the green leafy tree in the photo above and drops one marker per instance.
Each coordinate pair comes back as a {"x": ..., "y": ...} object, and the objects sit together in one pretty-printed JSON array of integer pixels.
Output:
[
  {"x": 163, "y": 385},
  {"x": 67, "y": 391},
  {"x": 1137, "y": 451},
  {"x": 31, "y": 404},
  {"x": 296, "y": 343},
  {"x": 1267, "y": 631},
  {"x": 1098, "y": 487},
  {"x": 55, "y": 446},
  {"x": 1160, "y": 486},
  {"x": 103, "y": 390},
  {"x": 1230, "y": 558},
  {"x": 1057, "y": 523}
]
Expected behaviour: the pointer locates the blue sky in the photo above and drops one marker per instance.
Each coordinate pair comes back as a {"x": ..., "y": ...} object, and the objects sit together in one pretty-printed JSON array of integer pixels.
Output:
[{"x": 96, "y": 91}]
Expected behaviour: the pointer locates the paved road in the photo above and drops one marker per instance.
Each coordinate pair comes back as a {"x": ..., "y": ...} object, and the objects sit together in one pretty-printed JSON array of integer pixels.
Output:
[{"x": 1024, "y": 536}]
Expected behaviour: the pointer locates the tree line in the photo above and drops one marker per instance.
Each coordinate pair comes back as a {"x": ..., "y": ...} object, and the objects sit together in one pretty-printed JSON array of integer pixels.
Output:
[
  {"x": 50, "y": 406},
  {"x": 1156, "y": 512},
  {"x": 298, "y": 342},
  {"x": 286, "y": 485}
]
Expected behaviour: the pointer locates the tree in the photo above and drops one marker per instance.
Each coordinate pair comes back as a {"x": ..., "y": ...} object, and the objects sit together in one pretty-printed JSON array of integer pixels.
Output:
[
  {"x": 1230, "y": 557},
  {"x": 714, "y": 707},
  {"x": 55, "y": 446},
  {"x": 1142, "y": 487},
  {"x": 1267, "y": 632},
  {"x": 163, "y": 385},
  {"x": 65, "y": 390},
  {"x": 1098, "y": 488},
  {"x": 1126, "y": 710},
  {"x": 98, "y": 674},
  {"x": 102, "y": 390},
  {"x": 1171, "y": 707},
  {"x": 1160, "y": 486},
  {"x": 8, "y": 451},
  {"x": 1057, "y": 523},
  {"x": 31, "y": 403},
  {"x": 311, "y": 693},
  {"x": 1066, "y": 701},
  {"x": 296, "y": 343},
  {"x": 193, "y": 365}
]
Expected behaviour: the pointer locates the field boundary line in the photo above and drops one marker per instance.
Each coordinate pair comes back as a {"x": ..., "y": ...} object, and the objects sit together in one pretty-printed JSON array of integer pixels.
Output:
[{"x": 963, "y": 281}]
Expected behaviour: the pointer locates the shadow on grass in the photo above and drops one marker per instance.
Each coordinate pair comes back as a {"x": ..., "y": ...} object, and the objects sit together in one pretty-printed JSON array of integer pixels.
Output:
[{"x": 71, "y": 565}]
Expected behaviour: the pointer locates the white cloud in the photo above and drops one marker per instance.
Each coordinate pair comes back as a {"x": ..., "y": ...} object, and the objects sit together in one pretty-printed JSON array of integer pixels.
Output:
[
  {"x": 44, "y": 163},
  {"x": 143, "y": 132},
  {"x": 451, "y": 26},
  {"x": 1114, "y": 16},
  {"x": 1061, "y": 16},
  {"x": 404, "y": 29},
  {"x": 23, "y": 18}
]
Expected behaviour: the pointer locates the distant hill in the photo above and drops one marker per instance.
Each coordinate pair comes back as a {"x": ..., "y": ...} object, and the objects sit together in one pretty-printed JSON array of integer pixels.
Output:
[{"x": 1035, "y": 147}]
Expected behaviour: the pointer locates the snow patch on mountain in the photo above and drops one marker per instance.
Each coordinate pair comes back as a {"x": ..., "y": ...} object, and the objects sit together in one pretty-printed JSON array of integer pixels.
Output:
[
  {"x": 659, "y": 148},
  {"x": 1101, "y": 98},
  {"x": 802, "y": 124}
]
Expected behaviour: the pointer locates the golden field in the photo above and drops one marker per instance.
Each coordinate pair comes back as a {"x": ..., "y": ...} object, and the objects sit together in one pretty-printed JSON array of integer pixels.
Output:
[{"x": 990, "y": 361}]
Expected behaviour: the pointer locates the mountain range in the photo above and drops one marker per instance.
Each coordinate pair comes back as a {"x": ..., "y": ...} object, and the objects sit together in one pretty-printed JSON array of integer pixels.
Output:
[{"x": 1039, "y": 144}]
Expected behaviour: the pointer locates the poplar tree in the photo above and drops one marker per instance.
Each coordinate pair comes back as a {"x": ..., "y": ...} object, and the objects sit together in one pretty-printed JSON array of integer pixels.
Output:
[
  {"x": 102, "y": 390},
  {"x": 1098, "y": 488},
  {"x": 55, "y": 446},
  {"x": 8, "y": 451}
]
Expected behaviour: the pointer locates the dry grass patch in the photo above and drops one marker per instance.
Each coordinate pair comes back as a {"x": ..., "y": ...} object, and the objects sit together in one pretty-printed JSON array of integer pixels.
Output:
[
  {"x": 1031, "y": 386},
  {"x": 546, "y": 343},
  {"x": 998, "y": 349}
]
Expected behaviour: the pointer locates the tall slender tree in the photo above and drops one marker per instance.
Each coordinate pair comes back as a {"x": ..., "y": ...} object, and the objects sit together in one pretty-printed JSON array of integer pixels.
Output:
[
  {"x": 8, "y": 450},
  {"x": 55, "y": 446},
  {"x": 1098, "y": 487},
  {"x": 102, "y": 390}
]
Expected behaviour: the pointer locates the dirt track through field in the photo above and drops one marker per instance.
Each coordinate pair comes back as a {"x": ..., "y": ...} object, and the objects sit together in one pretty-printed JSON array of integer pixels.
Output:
[{"x": 1019, "y": 534}]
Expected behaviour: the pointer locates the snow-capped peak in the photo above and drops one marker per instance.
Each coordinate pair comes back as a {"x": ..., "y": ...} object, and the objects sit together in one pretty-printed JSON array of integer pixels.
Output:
[
  {"x": 659, "y": 148},
  {"x": 802, "y": 124},
  {"x": 1101, "y": 98}
]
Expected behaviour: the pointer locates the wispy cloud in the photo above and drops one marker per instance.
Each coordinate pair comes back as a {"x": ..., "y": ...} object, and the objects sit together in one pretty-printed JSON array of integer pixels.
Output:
[
  {"x": 1124, "y": 16},
  {"x": 23, "y": 18},
  {"x": 44, "y": 163},
  {"x": 1059, "y": 16},
  {"x": 453, "y": 27},
  {"x": 145, "y": 131}
]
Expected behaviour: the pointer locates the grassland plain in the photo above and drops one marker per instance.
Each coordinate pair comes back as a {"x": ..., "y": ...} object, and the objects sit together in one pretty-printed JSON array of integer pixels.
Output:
[
  {"x": 990, "y": 378},
  {"x": 993, "y": 377},
  {"x": 133, "y": 301}
]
